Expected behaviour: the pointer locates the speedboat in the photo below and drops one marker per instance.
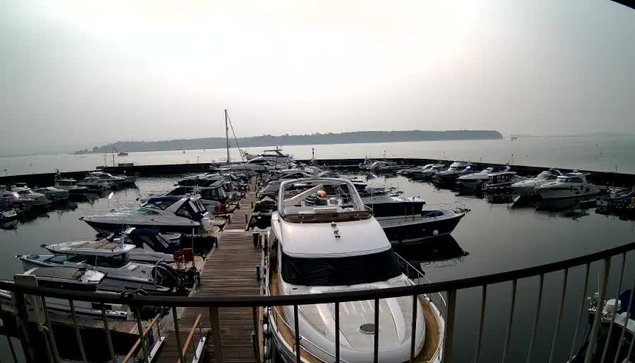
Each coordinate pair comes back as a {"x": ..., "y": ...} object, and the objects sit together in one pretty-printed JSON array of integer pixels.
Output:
[
  {"x": 450, "y": 175},
  {"x": 274, "y": 154},
  {"x": 116, "y": 181},
  {"x": 476, "y": 180},
  {"x": 165, "y": 214},
  {"x": 70, "y": 185},
  {"x": 95, "y": 184},
  {"x": 26, "y": 193},
  {"x": 408, "y": 229},
  {"x": 7, "y": 212},
  {"x": 409, "y": 172},
  {"x": 324, "y": 240},
  {"x": 54, "y": 194},
  {"x": 428, "y": 173},
  {"x": 616, "y": 197},
  {"x": 385, "y": 166},
  {"x": 211, "y": 197},
  {"x": 528, "y": 186},
  {"x": 114, "y": 260},
  {"x": 385, "y": 205},
  {"x": 76, "y": 279},
  {"x": 501, "y": 182},
  {"x": 571, "y": 185}
]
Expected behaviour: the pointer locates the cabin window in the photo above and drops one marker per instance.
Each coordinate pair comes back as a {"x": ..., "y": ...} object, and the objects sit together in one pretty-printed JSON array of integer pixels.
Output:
[
  {"x": 146, "y": 211},
  {"x": 103, "y": 261},
  {"x": 575, "y": 180},
  {"x": 340, "y": 271},
  {"x": 184, "y": 211}
]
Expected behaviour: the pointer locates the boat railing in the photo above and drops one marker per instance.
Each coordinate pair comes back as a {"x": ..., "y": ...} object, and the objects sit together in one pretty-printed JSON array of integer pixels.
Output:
[
  {"x": 155, "y": 325},
  {"x": 21, "y": 294}
]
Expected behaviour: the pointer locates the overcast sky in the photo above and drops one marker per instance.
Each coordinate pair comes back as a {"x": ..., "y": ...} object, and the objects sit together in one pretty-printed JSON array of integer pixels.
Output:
[{"x": 84, "y": 73}]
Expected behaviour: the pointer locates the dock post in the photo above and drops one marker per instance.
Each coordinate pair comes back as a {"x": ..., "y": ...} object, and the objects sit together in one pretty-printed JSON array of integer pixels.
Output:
[{"x": 218, "y": 342}]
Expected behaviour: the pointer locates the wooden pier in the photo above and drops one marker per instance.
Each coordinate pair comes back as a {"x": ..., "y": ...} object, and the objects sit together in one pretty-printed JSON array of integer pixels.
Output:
[{"x": 230, "y": 270}]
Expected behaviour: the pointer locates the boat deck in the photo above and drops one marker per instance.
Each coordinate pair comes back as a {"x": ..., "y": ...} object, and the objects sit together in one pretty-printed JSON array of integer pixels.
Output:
[{"x": 229, "y": 271}]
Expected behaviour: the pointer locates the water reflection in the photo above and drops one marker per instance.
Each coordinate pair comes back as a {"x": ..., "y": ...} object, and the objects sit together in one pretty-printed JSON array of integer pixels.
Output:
[
  {"x": 573, "y": 208},
  {"x": 439, "y": 252}
]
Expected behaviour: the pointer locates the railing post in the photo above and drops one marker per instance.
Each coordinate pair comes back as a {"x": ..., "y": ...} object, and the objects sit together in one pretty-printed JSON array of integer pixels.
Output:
[
  {"x": 534, "y": 330},
  {"x": 376, "y": 345},
  {"x": 510, "y": 322},
  {"x": 177, "y": 335},
  {"x": 617, "y": 296},
  {"x": 560, "y": 311},
  {"x": 449, "y": 328},
  {"x": 296, "y": 323},
  {"x": 628, "y": 315},
  {"x": 111, "y": 348},
  {"x": 254, "y": 311},
  {"x": 78, "y": 334},
  {"x": 481, "y": 324},
  {"x": 598, "y": 313},
  {"x": 15, "y": 359},
  {"x": 218, "y": 341},
  {"x": 413, "y": 336},
  {"x": 580, "y": 311},
  {"x": 337, "y": 332},
  {"x": 49, "y": 326},
  {"x": 142, "y": 337}
]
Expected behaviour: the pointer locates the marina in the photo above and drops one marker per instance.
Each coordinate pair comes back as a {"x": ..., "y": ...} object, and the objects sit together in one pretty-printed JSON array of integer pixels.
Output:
[{"x": 232, "y": 266}]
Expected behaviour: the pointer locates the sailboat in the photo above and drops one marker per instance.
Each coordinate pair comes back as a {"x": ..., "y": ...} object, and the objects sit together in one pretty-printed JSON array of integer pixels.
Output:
[{"x": 119, "y": 152}]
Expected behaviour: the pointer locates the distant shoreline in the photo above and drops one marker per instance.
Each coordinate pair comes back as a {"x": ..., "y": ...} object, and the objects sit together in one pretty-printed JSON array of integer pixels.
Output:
[{"x": 287, "y": 140}]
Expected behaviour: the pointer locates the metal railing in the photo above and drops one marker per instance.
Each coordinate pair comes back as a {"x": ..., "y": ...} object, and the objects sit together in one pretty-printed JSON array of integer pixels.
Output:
[{"x": 450, "y": 288}]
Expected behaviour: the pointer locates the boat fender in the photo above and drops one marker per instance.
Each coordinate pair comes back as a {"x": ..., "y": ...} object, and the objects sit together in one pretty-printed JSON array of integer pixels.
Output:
[
  {"x": 266, "y": 331},
  {"x": 266, "y": 353},
  {"x": 435, "y": 233}
]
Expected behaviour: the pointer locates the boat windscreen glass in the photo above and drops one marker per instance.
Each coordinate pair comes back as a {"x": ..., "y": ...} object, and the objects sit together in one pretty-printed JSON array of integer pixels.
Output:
[
  {"x": 159, "y": 204},
  {"x": 340, "y": 271}
]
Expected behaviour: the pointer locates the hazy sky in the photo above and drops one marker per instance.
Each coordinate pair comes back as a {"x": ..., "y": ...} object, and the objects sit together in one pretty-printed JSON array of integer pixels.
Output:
[{"x": 82, "y": 73}]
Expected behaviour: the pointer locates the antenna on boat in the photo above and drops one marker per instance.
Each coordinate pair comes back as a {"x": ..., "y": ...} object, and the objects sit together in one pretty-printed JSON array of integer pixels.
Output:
[{"x": 227, "y": 135}]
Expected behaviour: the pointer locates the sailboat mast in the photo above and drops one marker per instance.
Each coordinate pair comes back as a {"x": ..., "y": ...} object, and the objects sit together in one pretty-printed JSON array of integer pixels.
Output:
[{"x": 227, "y": 136}]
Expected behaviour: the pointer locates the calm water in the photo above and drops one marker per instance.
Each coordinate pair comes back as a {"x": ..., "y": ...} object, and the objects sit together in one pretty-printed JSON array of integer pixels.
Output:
[
  {"x": 590, "y": 153},
  {"x": 491, "y": 238}
]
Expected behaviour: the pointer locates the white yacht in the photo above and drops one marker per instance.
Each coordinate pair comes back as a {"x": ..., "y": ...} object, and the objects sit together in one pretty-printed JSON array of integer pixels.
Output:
[
  {"x": 385, "y": 166},
  {"x": 474, "y": 180},
  {"x": 26, "y": 193},
  {"x": 272, "y": 154},
  {"x": 428, "y": 173},
  {"x": 528, "y": 186},
  {"x": 114, "y": 260},
  {"x": 452, "y": 173},
  {"x": 165, "y": 214},
  {"x": 116, "y": 181},
  {"x": 501, "y": 181},
  {"x": 95, "y": 184},
  {"x": 571, "y": 185},
  {"x": 323, "y": 240}
]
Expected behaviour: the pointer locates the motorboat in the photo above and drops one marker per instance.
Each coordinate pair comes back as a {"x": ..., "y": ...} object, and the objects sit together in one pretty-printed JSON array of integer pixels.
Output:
[
  {"x": 476, "y": 180},
  {"x": 324, "y": 240},
  {"x": 274, "y": 154},
  {"x": 95, "y": 184},
  {"x": 384, "y": 166},
  {"x": 26, "y": 193},
  {"x": 417, "y": 228},
  {"x": 451, "y": 174},
  {"x": 571, "y": 185},
  {"x": 428, "y": 173},
  {"x": 616, "y": 330},
  {"x": 70, "y": 185},
  {"x": 501, "y": 182},
  {"x": 528, "y": 186},
  {"x": 7, "y": 211},
  {"x": 117, "y": 181},
  {"x": 211, "y": 197},
  {"x": 616, "y": 197},
  {"x": 54, "y": 194},
  {"x": 114, "y": 260},
  {"x": 165, "y": 214},
  {"x": 76, "y": 279},
  {"x": 387, "y": 206},
  {"x": 409, "y": 172},
  {"x": 366, "y": 164}
]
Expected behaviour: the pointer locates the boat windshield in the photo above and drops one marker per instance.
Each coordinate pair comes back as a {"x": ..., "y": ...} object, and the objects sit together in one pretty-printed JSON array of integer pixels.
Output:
[
  {"x": 340, "y": 271},
  {"x": 158, "y": 204},
  {"x": 546, "y": 175}
]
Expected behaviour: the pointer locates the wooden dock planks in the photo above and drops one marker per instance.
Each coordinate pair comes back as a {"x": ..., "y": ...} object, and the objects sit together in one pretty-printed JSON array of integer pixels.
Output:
[{"x": 229, "y": 271}]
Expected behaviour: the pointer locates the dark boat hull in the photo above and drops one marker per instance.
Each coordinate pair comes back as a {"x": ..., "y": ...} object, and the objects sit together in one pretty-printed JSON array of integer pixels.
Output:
[
  {"x": 421, "y": 229},
  {"x": 396, "y": 208},
  {"x": 109, "y": 228}
]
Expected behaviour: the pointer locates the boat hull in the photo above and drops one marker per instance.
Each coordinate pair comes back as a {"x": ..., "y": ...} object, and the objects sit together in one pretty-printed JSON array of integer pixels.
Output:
[
  {"x": 401, "y": 230},
  {"x": 107, "y": 228},
  {"x": 547, "y": 194}
]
